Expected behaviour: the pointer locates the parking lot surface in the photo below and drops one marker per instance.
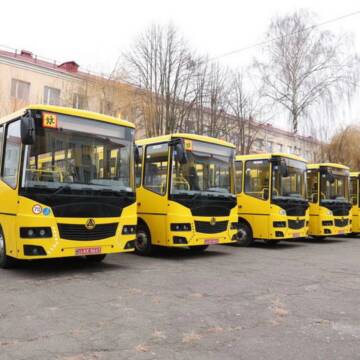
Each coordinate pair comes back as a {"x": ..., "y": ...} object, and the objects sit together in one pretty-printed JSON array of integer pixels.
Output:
[{"x": 297, "y": 300}]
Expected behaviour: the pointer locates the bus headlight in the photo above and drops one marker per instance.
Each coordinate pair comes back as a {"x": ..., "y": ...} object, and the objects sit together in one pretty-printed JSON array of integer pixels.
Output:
[
  {"x": 35, "y": 232},
  {"x": 180, "y": 227},
  {"x": 282, "y": 212},
  {"x": 129, "y": 229}
]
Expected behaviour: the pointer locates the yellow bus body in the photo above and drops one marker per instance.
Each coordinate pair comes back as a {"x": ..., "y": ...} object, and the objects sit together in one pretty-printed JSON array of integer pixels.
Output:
[
  {"x": 323, "y": 221},
  {"x": 19, "y": 212},
  {"x": 258, "y": 212},
  {"x": 355, "y": 198},
  {"x": 159, "y": 212}
]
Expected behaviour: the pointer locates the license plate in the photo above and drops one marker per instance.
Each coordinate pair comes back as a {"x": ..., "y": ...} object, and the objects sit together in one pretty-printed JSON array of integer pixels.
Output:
[
  {"x": 211, "y": 241},
  {"x": 88, "y": 251},
  {"x": 341, "y": 232},
  {"x": 296, "y": 235}
]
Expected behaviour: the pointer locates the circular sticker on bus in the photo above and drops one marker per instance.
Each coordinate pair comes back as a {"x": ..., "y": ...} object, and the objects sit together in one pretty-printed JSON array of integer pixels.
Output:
[
  {"x": 37, "y": 209},
  {"x": 46, "y": 211}
]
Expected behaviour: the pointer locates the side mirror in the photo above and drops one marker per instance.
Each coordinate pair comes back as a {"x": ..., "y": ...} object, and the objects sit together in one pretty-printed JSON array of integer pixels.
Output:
[
  {"x": 284, "y": 170},
  {"x": 330, "y": 177},
  {"x": 27, "y": 129},
  {"x": 180, "y": 153}
]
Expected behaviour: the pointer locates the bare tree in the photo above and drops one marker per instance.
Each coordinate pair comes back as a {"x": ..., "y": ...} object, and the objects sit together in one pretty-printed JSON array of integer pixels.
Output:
[
  {"x": 244, "y": 107},
  {"x": 344, "y": 147},
  {"x": 162, "y": 66},
  {"x": 304, "y": 67}
]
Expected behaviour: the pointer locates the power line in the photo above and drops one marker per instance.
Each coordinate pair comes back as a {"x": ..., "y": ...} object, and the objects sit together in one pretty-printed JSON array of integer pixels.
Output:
[{"x": 290, "y": 34}]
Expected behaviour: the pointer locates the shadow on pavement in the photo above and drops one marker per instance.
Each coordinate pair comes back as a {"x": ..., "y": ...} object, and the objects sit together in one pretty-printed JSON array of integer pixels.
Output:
[
  {"x": 320, "y": 241},
  {"x": 62, "y": 267},
  {"x": 259, "y": 244},
  {"x": 184, "y": 254}
]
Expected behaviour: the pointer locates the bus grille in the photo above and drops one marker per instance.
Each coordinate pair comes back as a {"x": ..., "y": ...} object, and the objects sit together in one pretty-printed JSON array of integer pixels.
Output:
[
  {"x": 206, "y": 228},
  {"x": 80, "y": 232},
  {"x": 341, "y": 222},
  {"x": 296, "y": 224}
]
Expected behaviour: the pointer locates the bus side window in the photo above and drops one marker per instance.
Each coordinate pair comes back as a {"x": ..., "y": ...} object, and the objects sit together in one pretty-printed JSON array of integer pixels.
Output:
[
  {"x": 156, "y": 165},
  {"x": 238, "y": 176},
  {"x": 12, "y": 153},
  {"x": 312, "y": 186},
  {"x": 138, "y": 168},
  {"x": 354, "y": 191},
  {"x": 257, "y": 174}
]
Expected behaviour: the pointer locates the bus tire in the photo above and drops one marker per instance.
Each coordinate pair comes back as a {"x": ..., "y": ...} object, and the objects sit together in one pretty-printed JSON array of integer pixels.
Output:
[
  {"x": 95, "y": 258},
  {"x": 198, "y": 248},
  {"x": 244, "y": 235},
  {"x": 6, "y": 262},
  {"x": 143, "y": 244}
]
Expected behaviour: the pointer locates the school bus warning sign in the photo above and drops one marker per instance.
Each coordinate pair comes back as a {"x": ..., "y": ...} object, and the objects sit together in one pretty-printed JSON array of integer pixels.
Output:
[{"x": 49, "y": 120}]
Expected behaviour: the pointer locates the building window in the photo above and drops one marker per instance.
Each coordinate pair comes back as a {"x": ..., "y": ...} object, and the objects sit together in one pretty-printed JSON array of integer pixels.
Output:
[
  {"x": 280, "y": 146},
  {"x": 20, "y": 90},
  {"x": 79, "y": 101},
  {"x": 51, "y": 96},
  {"x": 270, "y": 146}
]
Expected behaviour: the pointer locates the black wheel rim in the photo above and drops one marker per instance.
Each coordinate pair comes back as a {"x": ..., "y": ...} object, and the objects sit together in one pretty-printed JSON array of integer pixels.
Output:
[
  {"x": 142, "y": 240},
  {"x": 2, "y": 246},
  {"x": 242, "y": 234}
]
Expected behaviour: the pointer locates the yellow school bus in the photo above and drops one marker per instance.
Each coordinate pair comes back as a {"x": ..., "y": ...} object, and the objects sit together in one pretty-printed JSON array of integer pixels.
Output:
[
  {"x": 354, "y": 199},
  {"x": 328, "y": 194},
  {"x": 271, "y": 197},
  {"x": 66, "y": 185},
  {"x": 185, "y": 192}
]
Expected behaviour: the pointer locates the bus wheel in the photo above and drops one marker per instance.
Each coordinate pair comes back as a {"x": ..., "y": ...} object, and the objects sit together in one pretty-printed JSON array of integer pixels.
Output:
[
  {"x": 6, "y": 262},
  {"x": 143, "y": 240},
  {"x": 199, "y": 248},
  {"x": 244, "y": 235},
  {"x": 95, "y": 258}
]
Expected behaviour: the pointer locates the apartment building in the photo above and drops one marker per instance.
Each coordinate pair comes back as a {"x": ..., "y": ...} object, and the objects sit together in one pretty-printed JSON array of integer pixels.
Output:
[{"x": 26, "y": 78}]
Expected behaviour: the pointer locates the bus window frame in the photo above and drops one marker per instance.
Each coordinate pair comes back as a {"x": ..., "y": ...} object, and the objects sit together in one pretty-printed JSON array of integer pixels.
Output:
[
  {"x": 167, "y": 170},
  {"x": 242, "y": 176},
  {"x": 270, "y": 180},
  {"x": 141, "y": 161},
  {"x": 20, "y": 160}
]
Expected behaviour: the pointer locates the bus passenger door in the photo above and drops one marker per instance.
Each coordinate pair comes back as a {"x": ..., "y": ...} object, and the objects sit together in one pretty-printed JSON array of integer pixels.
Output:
[
  {"x": 10, "y": 154},
  {"x": 152, "y": 195}
]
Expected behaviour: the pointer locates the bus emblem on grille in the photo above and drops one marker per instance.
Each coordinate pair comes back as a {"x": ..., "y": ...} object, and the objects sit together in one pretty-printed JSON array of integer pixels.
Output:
[
  {"x": 90, "y": 224},
  {"x": 213, "y": 221}
]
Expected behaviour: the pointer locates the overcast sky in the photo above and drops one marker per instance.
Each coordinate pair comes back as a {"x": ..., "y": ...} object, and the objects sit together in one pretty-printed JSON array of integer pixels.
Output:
[{"x": 94, "y": 33}]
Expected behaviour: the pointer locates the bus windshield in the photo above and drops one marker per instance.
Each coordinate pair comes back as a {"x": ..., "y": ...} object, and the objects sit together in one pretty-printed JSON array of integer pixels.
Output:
[
  {"x": 334, "y": 185},
  {"x": 79, "y": 154},
  {"x": 290, "y": 183},
  {"x": 209, "y": 168}
]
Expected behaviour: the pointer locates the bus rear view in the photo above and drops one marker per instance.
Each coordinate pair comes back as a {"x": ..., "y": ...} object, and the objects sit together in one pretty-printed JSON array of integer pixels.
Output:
[
  {"x": 328, "y": 194},
  {"x": 66, "y": 185}
]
